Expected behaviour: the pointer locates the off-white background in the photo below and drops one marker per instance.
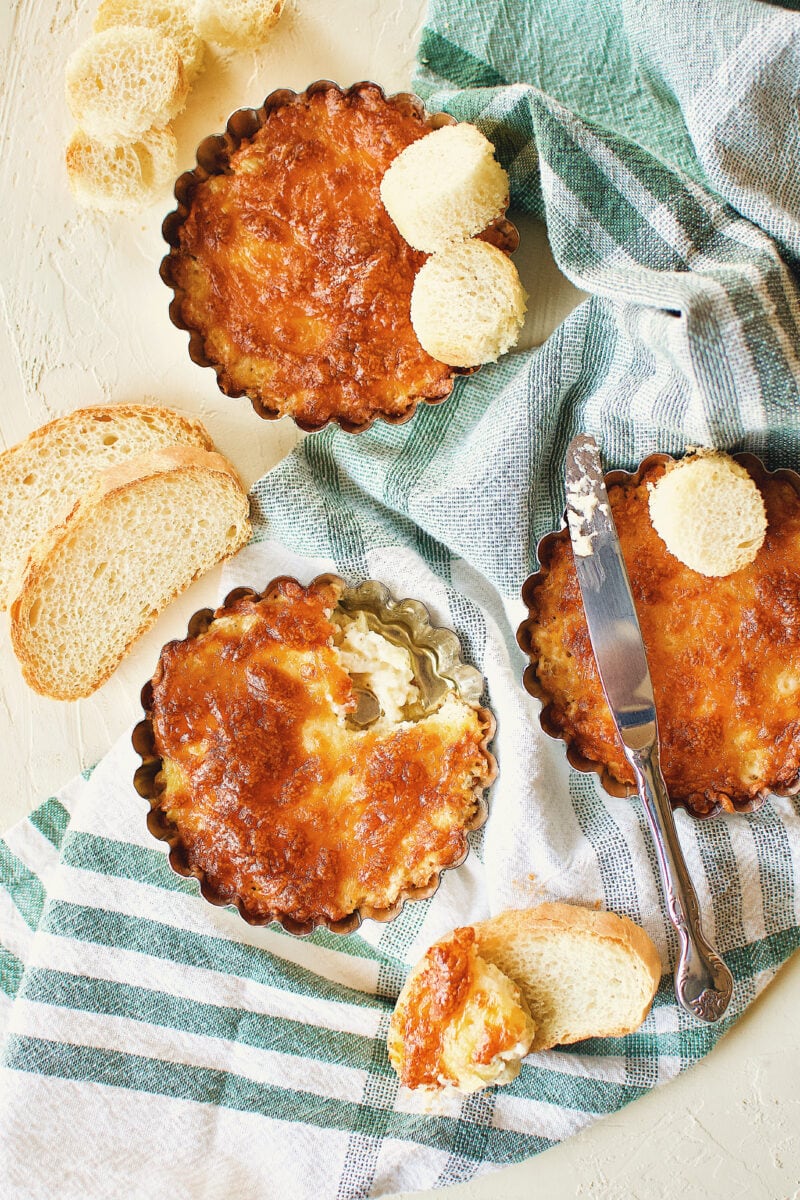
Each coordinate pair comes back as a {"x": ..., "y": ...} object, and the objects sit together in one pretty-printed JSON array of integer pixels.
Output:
[{"x": 84, "y": 321}]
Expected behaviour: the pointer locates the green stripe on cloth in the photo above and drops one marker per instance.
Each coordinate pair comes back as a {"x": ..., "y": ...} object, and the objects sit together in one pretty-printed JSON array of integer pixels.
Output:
[
  {"x": 51, "y": 819},
  {"x": 691, "y": 334},
  {"x": 204, "y": 1085},
  {"x": 24, "y": 887},
  {"x": 213, "y": 953},
  {"x": 11, "y": 971},
  {"x": 148, "y": 1006}
]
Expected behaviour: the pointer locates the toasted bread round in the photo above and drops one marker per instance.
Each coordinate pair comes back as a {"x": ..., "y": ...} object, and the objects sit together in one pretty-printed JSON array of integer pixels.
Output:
[
  {"x": 144, "y": 531},
  {"x": 467, "y": 304},
  {"x": 459, "y": 1022},
  {"x": 709, "y": 513},
  {"x": 239, "y": 24},
  {"x": 124, "y": 81},
  {"x": 43, "y": 476},
  {"x": 121, "y": 178},
  {"x": 445, "y": 187},
  {"x": 170, "y": 18},
  {"x": 584, "y": 973}
]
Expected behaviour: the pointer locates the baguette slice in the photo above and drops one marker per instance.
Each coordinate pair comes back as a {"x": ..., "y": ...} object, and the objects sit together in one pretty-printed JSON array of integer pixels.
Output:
[
  {"x": 123, "y": 81},
  {"x": 121, "y": 178},
  {"x": 445, "y": 187},
  {"x": 467, "y": 304},
  {"x": 144, "y": 531},
  {"x": 239, "y": 24},
  {"x": 583, "y": 973},
  {"x": 170, "y": 18},
  {"x": 709, "y": 513},
  {"x": 42, "y": 477}
]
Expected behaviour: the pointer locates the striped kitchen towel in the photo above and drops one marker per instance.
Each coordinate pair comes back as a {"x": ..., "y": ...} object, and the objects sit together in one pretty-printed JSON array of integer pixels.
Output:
[{"x": 157, "y": 1046}]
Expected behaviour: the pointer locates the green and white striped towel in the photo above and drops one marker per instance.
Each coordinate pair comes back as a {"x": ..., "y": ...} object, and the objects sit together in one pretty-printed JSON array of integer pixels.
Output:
[{"x": 156, "y": 1046}]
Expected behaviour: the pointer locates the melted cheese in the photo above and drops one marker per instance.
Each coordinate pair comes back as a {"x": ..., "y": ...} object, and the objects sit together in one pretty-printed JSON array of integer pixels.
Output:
[
  {"x": 459, "y": 1021},
  {"x": 724, "y": 656},
  {"x": 277, "y": 801},
  {"x": 294, "y": 274}
]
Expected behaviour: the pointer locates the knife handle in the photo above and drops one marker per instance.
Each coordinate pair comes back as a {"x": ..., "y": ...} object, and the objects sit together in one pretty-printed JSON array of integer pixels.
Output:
[{"x": 703, "y": 984}]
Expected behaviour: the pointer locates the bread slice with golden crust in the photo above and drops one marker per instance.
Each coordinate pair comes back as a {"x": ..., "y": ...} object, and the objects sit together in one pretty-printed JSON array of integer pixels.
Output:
[
  {"x": 445, "y": 187},
  {"x": 43, "y": 476},
  {"x": 526, "y": 980},
  {"x": 583, "y": 972},
  {"x": 141, "y": 534},
  {"x": 170, "y": 18},
  {"x": 124, "y": 81},
  {"x": 239, "y": 24},
  {"x": 121, "y": 177}
]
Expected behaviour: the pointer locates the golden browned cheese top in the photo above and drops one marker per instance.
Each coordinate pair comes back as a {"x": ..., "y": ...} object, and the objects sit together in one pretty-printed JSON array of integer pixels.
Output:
[
  {"x": 431, "y": 1012},
  {"x": 724, "y": 656},
  {"x": 277, "y": 802},
  {"x": 295, "y": 275}
]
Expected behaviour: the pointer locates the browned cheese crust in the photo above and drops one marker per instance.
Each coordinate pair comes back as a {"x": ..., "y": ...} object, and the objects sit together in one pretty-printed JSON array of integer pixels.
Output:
[
  {"x": 295, "y": 276},
  {"x": 278, "y": 804},
  {"x": 724, "y": 656}
]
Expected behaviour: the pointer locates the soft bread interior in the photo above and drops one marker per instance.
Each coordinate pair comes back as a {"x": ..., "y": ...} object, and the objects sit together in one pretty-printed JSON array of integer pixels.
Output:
[
  {"x": 446, "y": 186},
  {"x": 709, "y": 513},
  {"x": 583, "y": 973},
  {"x": 467, "y": 304},
  {"x": 146, "y": 531},
  {"x": 239, "y": 24},
  {"x": 43, "y": 476}
]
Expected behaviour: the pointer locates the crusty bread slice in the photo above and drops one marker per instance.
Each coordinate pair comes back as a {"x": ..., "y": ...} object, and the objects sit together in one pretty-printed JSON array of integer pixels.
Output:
[
  {"x": 446, "y": 186},
  {"x": 144, "y": 531},
  {"x": 239, "y": 24},
  {"x": 467, "y": 304},
  {"x": 171, "y": 18},
  {"x": 42, "y": 477},
  {"x": 121, "y": 178},
  {"x": 709, "y": 513},
  {"x": 584, "y": 973},
  {"x": 124, "y": 81}
]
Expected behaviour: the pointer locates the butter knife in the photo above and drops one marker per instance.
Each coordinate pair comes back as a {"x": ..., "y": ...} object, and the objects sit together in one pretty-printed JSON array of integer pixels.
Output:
[{"x": 703, "y": 984}]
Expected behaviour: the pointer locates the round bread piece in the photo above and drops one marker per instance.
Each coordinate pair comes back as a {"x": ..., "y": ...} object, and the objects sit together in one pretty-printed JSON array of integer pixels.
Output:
[
  {"x": 144, "y": 531},
  {"x": 709, "y": 513},
  {"x": 458, "y": 1022},
  {"x": 239, "y": 24},
  {"x": 445, "y": 187},
  {"x": 583, "y": 973},
  {"x": 170, "y": 18},
  {"x": 124, "y": 81},
  {"x": 467, "y": 304},
  {"x": 43, "y": 476},
  {"x": 121, "y": 178}
]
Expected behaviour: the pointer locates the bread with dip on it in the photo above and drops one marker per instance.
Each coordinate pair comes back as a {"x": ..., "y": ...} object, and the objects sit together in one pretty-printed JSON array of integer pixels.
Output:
[
  {"x": 445, "y": 187},
  {"x": 709, "y": 513},
  {"x": 523, "y": 981}
]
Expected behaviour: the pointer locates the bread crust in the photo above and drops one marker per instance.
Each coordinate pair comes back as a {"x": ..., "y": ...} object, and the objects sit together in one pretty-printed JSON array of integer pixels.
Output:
[
  {"x": 126, "y": 475},
  {"x": 517, "y": 925},
  {"x": 23, "y": 518}
]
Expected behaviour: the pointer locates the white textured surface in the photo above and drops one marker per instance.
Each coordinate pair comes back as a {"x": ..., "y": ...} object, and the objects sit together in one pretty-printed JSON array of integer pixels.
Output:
[{"x": 84, "y": 320}]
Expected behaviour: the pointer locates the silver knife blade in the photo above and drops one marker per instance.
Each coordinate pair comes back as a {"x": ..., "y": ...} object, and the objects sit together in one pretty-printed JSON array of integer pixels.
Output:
[{"x": 607, "y": 600}]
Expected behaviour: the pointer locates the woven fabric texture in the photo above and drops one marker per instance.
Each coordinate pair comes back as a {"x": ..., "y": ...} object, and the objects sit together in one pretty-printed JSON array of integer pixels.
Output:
[{"x": 154, "y": 1042}]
